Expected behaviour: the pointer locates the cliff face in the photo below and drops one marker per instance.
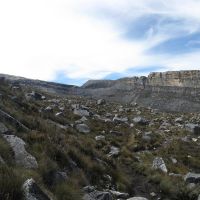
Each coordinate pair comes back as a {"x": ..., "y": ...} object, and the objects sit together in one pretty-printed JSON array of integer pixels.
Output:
[
  {"x": 175, "y": 79},
  {"x": 169, "y": 91}
]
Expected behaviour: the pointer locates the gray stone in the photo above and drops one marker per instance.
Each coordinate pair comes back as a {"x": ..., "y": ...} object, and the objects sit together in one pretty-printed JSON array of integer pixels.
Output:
[
  {"x": 81, "y": 112},
  {"x": 114, "y": 151},
  {"x": 137, "y": 198},
  {"x": 101, "y": 101},
  {"x": 179, "y": 120},
  {"x": 193, "y": 128},
  {"x": 140, "y": 120},
  {"x": 89, "y": 188},
  {"x": 35, "y": 96},
  {"x": 99, "y": 137},
  {"x": 120, "y": 119},
  {"x": 32, "y": 191},
  {"x": 158, "y": 163},
  {"x": 192, "y": 178},
  {"x": 83, "y": 128},
  {"x": 97, "y": 195},
  {"x": 118, "y": 195},
  {"x": 22, "y": 157}
]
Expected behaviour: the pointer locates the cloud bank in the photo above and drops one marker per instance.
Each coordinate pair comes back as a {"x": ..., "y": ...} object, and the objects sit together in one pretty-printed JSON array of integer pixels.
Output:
[{"x": 72, "y": 41}]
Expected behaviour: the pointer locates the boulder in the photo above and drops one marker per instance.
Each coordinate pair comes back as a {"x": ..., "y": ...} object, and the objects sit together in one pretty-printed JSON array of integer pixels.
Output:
[
  {"x": 193, "y": 128},
  {"x": 32, "y": 191},
  {"x": 101, "y": 101},
  {"x": 158, "y": 163},
  {"x": 179, "y": 120},
  {"x": 34, "y": 96},
  {"x": 22, "y": 157},
  {"x": 192, "y": 178},
  {"x": 120, "y": 119},
  {"x": 81, "y": 112},
  {"x": 83, "y": 128},
  {"x": 140, "y": 121},
  {"x": 114, "y": 151},
  {"x": 119, "y": 195},
  {"x": 99, "y": 137},
  {"x": 97, "y": 195}
]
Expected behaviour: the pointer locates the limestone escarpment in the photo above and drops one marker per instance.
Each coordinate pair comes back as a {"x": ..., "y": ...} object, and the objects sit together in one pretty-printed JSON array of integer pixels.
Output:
[
  {"x": 169, "y": 91},
  {"x": 175, "y": 79}
]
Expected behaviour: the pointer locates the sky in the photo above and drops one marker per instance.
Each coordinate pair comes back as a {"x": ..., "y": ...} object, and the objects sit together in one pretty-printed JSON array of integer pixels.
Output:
[{"x": 71, "y": 41}]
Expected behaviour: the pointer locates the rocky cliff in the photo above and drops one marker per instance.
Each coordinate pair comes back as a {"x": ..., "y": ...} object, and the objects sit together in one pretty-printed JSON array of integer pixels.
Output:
[{"x": 168, "y": 91}]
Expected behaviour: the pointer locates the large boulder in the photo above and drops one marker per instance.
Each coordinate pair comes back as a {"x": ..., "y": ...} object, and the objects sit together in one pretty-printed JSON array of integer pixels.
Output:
[
  {"x": 32, "y": 191},
  {"x": 193, "y": 128},
  {"x": 114, "y": 151},
  {"x": 83, "y": 128},
  {"x": 35, "y": 96},
  {"x": 101, "y": 101},
  {"x": 22, "y": 157},
  {"x": 192, "y": 178},
  {"x": 120, "y": 119},
  {"x": 140, "y": 120},
  {"x": 81, "y": 112},
  {"x": 97, "y": 195},
  {"x": 158, "y": 163}
]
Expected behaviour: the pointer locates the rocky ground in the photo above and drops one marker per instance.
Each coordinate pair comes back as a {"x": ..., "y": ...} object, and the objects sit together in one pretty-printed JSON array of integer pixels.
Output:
[{"x": 71, "y": 148}]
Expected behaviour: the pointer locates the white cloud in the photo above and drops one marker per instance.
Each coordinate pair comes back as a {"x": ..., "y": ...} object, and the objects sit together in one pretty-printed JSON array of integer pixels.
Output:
[{"x": 42, "y": 37}]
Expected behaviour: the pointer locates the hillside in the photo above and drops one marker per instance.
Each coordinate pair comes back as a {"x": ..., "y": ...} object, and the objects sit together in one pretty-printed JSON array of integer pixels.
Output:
[{"x": 62, "y": 146}]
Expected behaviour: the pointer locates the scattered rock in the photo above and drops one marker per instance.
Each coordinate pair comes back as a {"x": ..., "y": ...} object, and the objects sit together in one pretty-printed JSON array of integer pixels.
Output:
[
  {"x": 99, "y": 137},
  {"x": 137, "y": 198},
  {"x": 81, "y": 112},
  {"x": 101, "y": 101},
  {"x": 32, "y": 191},
  {"x": 158, "y": 163},
  {"x": 89, "y": 189},
  {"x": 83, "y": 128},
  {"x": 34, "y": 96},
  {"x": 192, "y": 178},
  {"x": 118, "y": 195},
  {"x": 120, "y": 119},
  {"x": 140, "y": 120},
  {"x": 193, "y": 128},
  {"x": 114, "y": 151},
  {"x": 22, "y": 157}
]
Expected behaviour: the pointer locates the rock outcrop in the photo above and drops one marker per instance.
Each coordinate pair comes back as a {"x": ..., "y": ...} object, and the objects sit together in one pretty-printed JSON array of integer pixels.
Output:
[
  {"x": 22, "y": 157},
  {"x": 166, "y": 91}
]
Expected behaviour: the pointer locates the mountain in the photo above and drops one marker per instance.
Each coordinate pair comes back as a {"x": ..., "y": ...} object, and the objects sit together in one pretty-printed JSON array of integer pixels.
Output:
[
  {"x": 165, "y": 91},
  {"x": 58, "y": 143}
]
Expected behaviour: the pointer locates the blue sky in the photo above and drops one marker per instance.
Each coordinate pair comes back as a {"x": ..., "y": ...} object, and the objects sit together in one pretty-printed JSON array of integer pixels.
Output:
[{"x": 73, "y": 41}]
